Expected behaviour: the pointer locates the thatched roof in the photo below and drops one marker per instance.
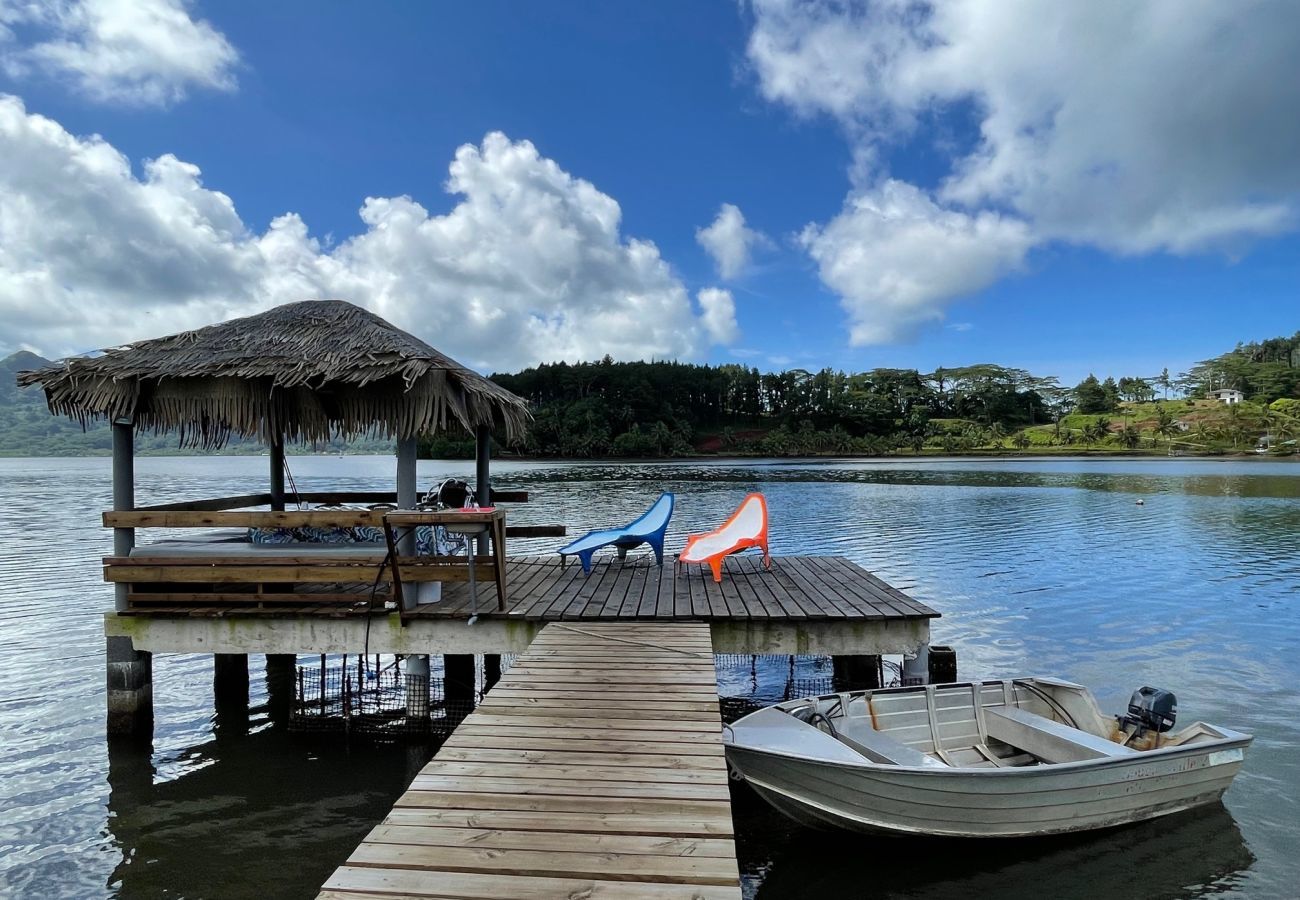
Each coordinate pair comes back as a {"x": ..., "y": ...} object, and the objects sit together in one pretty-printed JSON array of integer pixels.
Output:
[{"x": 307, "y": 370}]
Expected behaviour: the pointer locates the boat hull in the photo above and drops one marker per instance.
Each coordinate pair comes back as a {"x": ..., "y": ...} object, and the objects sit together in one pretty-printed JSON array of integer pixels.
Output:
[{"x": 991, "y": 802}]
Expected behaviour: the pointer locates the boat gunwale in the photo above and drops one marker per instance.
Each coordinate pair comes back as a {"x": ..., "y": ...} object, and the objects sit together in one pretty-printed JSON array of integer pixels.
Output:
[{"x": 1231, "y": 739}]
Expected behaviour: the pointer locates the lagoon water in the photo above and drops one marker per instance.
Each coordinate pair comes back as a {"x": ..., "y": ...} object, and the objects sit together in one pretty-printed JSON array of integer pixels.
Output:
[{"x": 1038, "y": 566}]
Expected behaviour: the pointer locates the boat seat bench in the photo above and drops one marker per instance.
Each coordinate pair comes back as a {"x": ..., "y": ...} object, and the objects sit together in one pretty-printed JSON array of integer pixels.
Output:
[
  {"x": 1046, "y": 739},
  {"x": 879, "y": 747}
]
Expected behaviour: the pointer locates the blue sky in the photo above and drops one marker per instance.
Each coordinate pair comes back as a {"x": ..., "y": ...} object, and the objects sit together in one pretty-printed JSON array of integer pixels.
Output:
[{"x": 1066, "y": 188}]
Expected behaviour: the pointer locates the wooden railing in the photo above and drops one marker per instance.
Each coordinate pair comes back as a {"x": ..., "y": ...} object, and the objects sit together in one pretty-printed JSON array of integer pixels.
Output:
[{"x": 312, "y": 575}]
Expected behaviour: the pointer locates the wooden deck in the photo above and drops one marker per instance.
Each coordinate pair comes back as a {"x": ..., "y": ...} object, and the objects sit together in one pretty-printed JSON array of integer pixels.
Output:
[
  {"x": 795, "y": 587},
  {"x": 539, "y": 589},
  {"x": 593, "y": 769}
]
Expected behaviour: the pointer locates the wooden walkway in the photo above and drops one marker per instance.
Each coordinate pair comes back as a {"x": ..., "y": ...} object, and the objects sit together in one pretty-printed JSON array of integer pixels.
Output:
[
  {"x": 594, "y": 769},
  {"x": 796, "y": 587}
]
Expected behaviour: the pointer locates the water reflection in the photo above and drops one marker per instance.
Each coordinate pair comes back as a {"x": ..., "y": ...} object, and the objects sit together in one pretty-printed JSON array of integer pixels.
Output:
[
  {"x": 1038, "y": 566},
  {"x": 1194, "y": 854},
  {"x": 254, "y": 815}
]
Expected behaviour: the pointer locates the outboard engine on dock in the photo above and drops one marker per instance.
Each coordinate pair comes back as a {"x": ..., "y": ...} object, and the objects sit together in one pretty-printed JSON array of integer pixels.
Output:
[{"x": 1150, "y": 709}]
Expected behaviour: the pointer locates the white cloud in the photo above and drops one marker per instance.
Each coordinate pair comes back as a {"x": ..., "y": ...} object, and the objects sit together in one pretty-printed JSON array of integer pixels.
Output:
[
  {"x": 719, "y": 315},
  {"x": 528, "y": 266},
  {"x": 894, "y": 257},
  {"x": 140, "y": 52},
  {"x": 1162, "y": 127},
  {"x": 730, "y": 242}
]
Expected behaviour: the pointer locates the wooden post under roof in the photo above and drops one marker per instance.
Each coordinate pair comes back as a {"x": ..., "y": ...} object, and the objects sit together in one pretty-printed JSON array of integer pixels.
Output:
[
  {"x": 482, "y": 458},
  {"x": 123, "y": 497},
  {"x": 407, "y": 492},
  {"x": 129, "y": 671},
  {"x": 277, "y": 472},
  {"x": 483, "y": 484}
]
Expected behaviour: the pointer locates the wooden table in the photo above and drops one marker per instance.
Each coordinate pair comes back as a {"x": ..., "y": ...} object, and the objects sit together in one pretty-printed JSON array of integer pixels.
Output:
[{"x": 437, "y": 567}]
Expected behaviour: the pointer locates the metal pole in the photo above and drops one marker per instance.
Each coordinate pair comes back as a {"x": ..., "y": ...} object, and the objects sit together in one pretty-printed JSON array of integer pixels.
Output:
[
  {"x": 482, "y": 482},
  {"x": 406, "y": 490},
  {"x": 123, "y": 498},
  {"x": 482, "y": 457},
  {"x": 277, "y": 472}
]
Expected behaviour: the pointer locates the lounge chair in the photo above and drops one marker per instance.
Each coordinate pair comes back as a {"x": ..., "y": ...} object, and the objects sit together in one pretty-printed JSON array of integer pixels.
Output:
[
  {"x": 746, "y": 528},
  {"x": 649, "y": 529}
]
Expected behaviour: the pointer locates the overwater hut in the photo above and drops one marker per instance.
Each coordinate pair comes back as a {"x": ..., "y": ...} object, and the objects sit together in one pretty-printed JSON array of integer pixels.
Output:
[
  {"x": 302, "y": 372},
  {"x": 316, "y": 370}
]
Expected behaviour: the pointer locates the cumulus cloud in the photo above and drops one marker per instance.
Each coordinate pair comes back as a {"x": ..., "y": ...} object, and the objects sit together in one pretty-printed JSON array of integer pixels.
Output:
[
  {"x": 894, "y": 257},
  {"x": 140, "y": 52},
  {"x": 719, "y": 315},
  {"x": 528, "y": 266},
  {"x": 1161, "y": 127},
  {"x": 730, "y": 242}
]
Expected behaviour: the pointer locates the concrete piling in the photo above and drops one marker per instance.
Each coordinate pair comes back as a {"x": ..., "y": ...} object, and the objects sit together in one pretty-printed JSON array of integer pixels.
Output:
[{"x": 130, "y": 688}]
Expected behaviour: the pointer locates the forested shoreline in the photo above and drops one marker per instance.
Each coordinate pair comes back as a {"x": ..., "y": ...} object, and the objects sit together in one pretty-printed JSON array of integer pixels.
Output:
[
  {"x": 663, "y": 409},
  {"x": 647, "y": 410}
]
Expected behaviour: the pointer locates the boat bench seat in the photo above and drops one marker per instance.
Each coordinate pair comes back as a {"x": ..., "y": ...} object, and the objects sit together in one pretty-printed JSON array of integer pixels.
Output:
[
  {"x": 1046, "y": 739},
  {"x": 881, "y": 748}
]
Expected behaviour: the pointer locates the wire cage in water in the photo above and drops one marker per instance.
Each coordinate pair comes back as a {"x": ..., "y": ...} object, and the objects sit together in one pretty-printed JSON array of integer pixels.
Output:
[
  {"x": 372, "y": 696},
  {"x": 375, "y": 697},
  {"x": 749, "y": 682}
]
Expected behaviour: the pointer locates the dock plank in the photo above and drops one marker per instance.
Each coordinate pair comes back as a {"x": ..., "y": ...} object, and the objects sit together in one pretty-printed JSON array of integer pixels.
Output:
[{"x": 593, "y": 769}]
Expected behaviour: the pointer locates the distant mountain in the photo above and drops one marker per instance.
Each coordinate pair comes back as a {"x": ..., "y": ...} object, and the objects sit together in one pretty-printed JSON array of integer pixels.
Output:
[
  {"x": 10, "y": 366},
  {"x": 26, "y": 426}
]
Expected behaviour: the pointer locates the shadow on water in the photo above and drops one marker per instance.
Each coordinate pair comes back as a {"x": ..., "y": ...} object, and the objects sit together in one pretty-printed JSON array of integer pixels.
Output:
[
  {"x": 266, "y": 814},
  {"x": 1193, "y": 854}
]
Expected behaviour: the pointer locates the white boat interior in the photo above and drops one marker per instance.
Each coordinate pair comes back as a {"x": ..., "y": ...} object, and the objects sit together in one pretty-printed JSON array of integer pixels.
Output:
[{"x": 989, "y": 724}]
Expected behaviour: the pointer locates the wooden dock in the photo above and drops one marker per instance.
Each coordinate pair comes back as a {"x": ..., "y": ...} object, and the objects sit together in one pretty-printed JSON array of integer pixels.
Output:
[
  {"x": 802, "y": 604},
  {"x": 594, "y": 769},
  {"x": 795, "y": 587}
]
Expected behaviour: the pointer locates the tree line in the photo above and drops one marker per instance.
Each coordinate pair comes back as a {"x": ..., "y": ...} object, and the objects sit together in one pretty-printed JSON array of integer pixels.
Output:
[{"x": 653, "y": 409}]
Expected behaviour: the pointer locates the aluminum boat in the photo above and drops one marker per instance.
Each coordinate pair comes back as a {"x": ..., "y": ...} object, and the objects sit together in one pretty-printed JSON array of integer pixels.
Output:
[{"x": 1028, "y": 756}]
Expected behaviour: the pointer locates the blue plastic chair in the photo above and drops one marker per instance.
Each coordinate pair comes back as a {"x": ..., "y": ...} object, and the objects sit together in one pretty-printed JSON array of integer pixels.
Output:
[{"x": 649, "y": 529}]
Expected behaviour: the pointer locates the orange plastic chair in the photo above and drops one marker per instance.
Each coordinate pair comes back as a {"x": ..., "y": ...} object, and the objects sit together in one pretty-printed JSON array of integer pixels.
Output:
[{"x": 746, "y": 528}]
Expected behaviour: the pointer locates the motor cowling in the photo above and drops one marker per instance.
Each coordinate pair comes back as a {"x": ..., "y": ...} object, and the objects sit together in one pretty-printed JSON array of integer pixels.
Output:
[{"x": 1154, "y": 709}]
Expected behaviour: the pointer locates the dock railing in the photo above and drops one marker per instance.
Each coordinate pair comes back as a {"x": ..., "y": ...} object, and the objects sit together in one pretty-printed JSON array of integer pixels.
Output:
[{"x": 165, "y": 577}]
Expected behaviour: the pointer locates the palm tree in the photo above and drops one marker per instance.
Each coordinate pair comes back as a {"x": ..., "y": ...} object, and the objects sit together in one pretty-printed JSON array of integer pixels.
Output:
[
  {"x": 1097, "y": 432},
  {"x": 1166, "y": 426}
]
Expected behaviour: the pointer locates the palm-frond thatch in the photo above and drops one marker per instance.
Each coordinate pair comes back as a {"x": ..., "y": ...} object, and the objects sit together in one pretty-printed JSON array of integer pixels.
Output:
[{"x": 306, "y": 370}]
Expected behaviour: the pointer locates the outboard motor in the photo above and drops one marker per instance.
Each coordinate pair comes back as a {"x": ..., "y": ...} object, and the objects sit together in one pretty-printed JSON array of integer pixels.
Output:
[{"x": 1151, "y": 709}]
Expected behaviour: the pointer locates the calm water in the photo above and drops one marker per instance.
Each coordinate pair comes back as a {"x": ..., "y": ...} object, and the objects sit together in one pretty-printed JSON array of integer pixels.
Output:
[{"x": 1037, "y": 566}]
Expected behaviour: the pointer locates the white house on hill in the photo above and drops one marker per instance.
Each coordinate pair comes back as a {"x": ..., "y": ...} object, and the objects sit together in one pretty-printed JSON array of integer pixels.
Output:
[{"x": 1227, "y": 395}]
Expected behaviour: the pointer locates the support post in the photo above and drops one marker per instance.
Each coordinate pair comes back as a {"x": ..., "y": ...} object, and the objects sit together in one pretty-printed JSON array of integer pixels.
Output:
[
  {"x": 130, "y": 688},
  {"x": 277, "y": 472},
  {"x": 417, "y": 689},
  {"x": 128, "y": 672},
  {"x": 407, "y": 492},
  {"x": 916, "y": 666},
  {"x": 230, "y": 691},
  {"x": 855, "y": 673},
  {"x": 458, "y": 686},
  {"x": 281, "y": 670},
  {"x": 482, "y": 461},
  {"x": 491, "y": 670},
  {"x": 482, "y": 478},
  {"x": 123, "y": 498}
]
